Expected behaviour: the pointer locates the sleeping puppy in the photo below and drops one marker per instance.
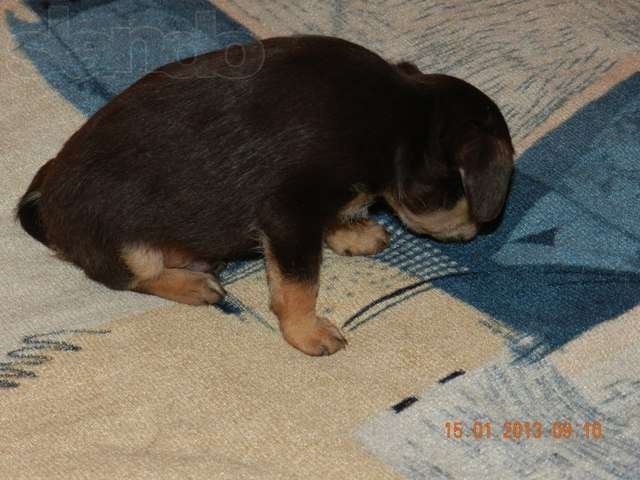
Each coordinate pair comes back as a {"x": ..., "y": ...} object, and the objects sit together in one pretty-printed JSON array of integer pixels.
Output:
[{"x": 279, "y": 145}]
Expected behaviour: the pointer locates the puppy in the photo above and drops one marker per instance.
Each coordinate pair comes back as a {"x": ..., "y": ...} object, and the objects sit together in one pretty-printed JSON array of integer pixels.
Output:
[{"x": 279, "y": 145}]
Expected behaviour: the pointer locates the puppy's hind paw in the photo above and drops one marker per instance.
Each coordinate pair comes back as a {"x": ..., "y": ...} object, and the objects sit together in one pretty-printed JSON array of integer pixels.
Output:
[
  {"x": 202, "y": 289},
  {"x": 184, "y": 286}
]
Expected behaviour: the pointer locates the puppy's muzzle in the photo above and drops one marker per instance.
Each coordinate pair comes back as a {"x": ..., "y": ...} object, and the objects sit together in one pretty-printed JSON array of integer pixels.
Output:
[
  {"x": 461, "y": 233},
  {"x": 453, "y": 225}
]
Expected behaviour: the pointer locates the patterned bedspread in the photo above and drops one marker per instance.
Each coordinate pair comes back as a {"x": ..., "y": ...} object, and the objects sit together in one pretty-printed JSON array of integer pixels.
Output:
[{"x": 515, "y": 356}]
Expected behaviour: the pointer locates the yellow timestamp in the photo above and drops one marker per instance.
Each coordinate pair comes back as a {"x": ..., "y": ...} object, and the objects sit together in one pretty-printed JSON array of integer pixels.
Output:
[{"x": 515, "y": 430}]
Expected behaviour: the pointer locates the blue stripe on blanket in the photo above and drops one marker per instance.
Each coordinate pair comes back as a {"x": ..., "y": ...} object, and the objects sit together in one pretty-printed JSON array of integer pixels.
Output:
[{"x": 90, "y": 50}]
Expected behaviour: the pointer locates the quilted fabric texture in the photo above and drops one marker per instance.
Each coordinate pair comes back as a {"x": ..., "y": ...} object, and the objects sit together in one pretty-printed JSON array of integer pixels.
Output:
[{"x": 535, "y": 325}]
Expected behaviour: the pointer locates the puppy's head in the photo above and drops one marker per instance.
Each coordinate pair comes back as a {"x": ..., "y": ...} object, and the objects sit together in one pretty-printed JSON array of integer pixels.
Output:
[{"x": 453, "y": 174}]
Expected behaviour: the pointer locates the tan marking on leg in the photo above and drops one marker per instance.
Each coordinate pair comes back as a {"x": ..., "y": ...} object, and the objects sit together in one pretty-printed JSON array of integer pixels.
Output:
[
  {"x": 151, "y": 274},
  {"x": 143, "y": 261},
  {"x": 294, "y": 303},
  {"x": 362, "y": 238},
  {"x": 177, "y": 258}
]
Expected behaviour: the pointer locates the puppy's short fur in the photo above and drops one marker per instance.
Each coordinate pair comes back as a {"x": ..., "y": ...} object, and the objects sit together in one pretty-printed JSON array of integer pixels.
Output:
[{"x": 201, "y": 162}]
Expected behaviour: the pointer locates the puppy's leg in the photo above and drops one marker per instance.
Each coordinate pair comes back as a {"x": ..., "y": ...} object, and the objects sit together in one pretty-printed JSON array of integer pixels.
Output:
[
  {"x": 153, "y": 273},
  {"x": 292, "y": 272},
  {"x": 364, "y": 237},
  {"x": 180, "y": 258}
]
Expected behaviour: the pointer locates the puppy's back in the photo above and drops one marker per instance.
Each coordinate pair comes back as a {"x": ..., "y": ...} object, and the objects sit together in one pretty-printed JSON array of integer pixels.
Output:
[{"x": 202, "y": 145}]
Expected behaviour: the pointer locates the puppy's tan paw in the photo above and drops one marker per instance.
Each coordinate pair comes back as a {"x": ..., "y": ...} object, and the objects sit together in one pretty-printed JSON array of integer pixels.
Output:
[
  {"x": 314, "y": 336},
  {"x": 201, "y": 289},
  {"x": 362, "y": 238},
  {"x": 184, "y": 286}
]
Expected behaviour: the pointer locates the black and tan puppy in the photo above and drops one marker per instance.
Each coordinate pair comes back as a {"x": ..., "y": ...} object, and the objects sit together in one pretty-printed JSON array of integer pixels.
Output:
[{"x": 281, "y": 146}]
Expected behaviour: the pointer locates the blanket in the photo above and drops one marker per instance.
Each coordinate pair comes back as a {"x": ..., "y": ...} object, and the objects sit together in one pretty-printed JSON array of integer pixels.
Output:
[{"x": 515, "y": 356}]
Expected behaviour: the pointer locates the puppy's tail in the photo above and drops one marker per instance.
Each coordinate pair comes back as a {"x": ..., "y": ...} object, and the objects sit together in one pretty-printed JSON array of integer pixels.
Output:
[{"x": 28, "y": 210}]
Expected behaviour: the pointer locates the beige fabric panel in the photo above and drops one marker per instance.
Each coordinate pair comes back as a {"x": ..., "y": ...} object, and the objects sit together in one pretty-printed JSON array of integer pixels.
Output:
[{"x": 186, "y": 392}]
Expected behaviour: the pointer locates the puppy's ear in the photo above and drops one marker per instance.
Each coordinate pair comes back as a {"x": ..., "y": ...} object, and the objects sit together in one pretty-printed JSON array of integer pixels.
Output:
[
  {"x": 486, "y": 167},
  {"x": 409, "y": 68}
]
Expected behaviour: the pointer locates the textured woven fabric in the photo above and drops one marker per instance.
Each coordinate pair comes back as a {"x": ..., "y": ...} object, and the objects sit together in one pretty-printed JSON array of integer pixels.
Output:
[{"x": 537, "y": 322}]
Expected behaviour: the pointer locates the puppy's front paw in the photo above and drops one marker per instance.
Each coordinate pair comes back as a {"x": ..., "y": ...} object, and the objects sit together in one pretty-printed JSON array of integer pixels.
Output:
[
  {"x": 314, "y": 336},
  {"x": 362, "y": 238}
]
